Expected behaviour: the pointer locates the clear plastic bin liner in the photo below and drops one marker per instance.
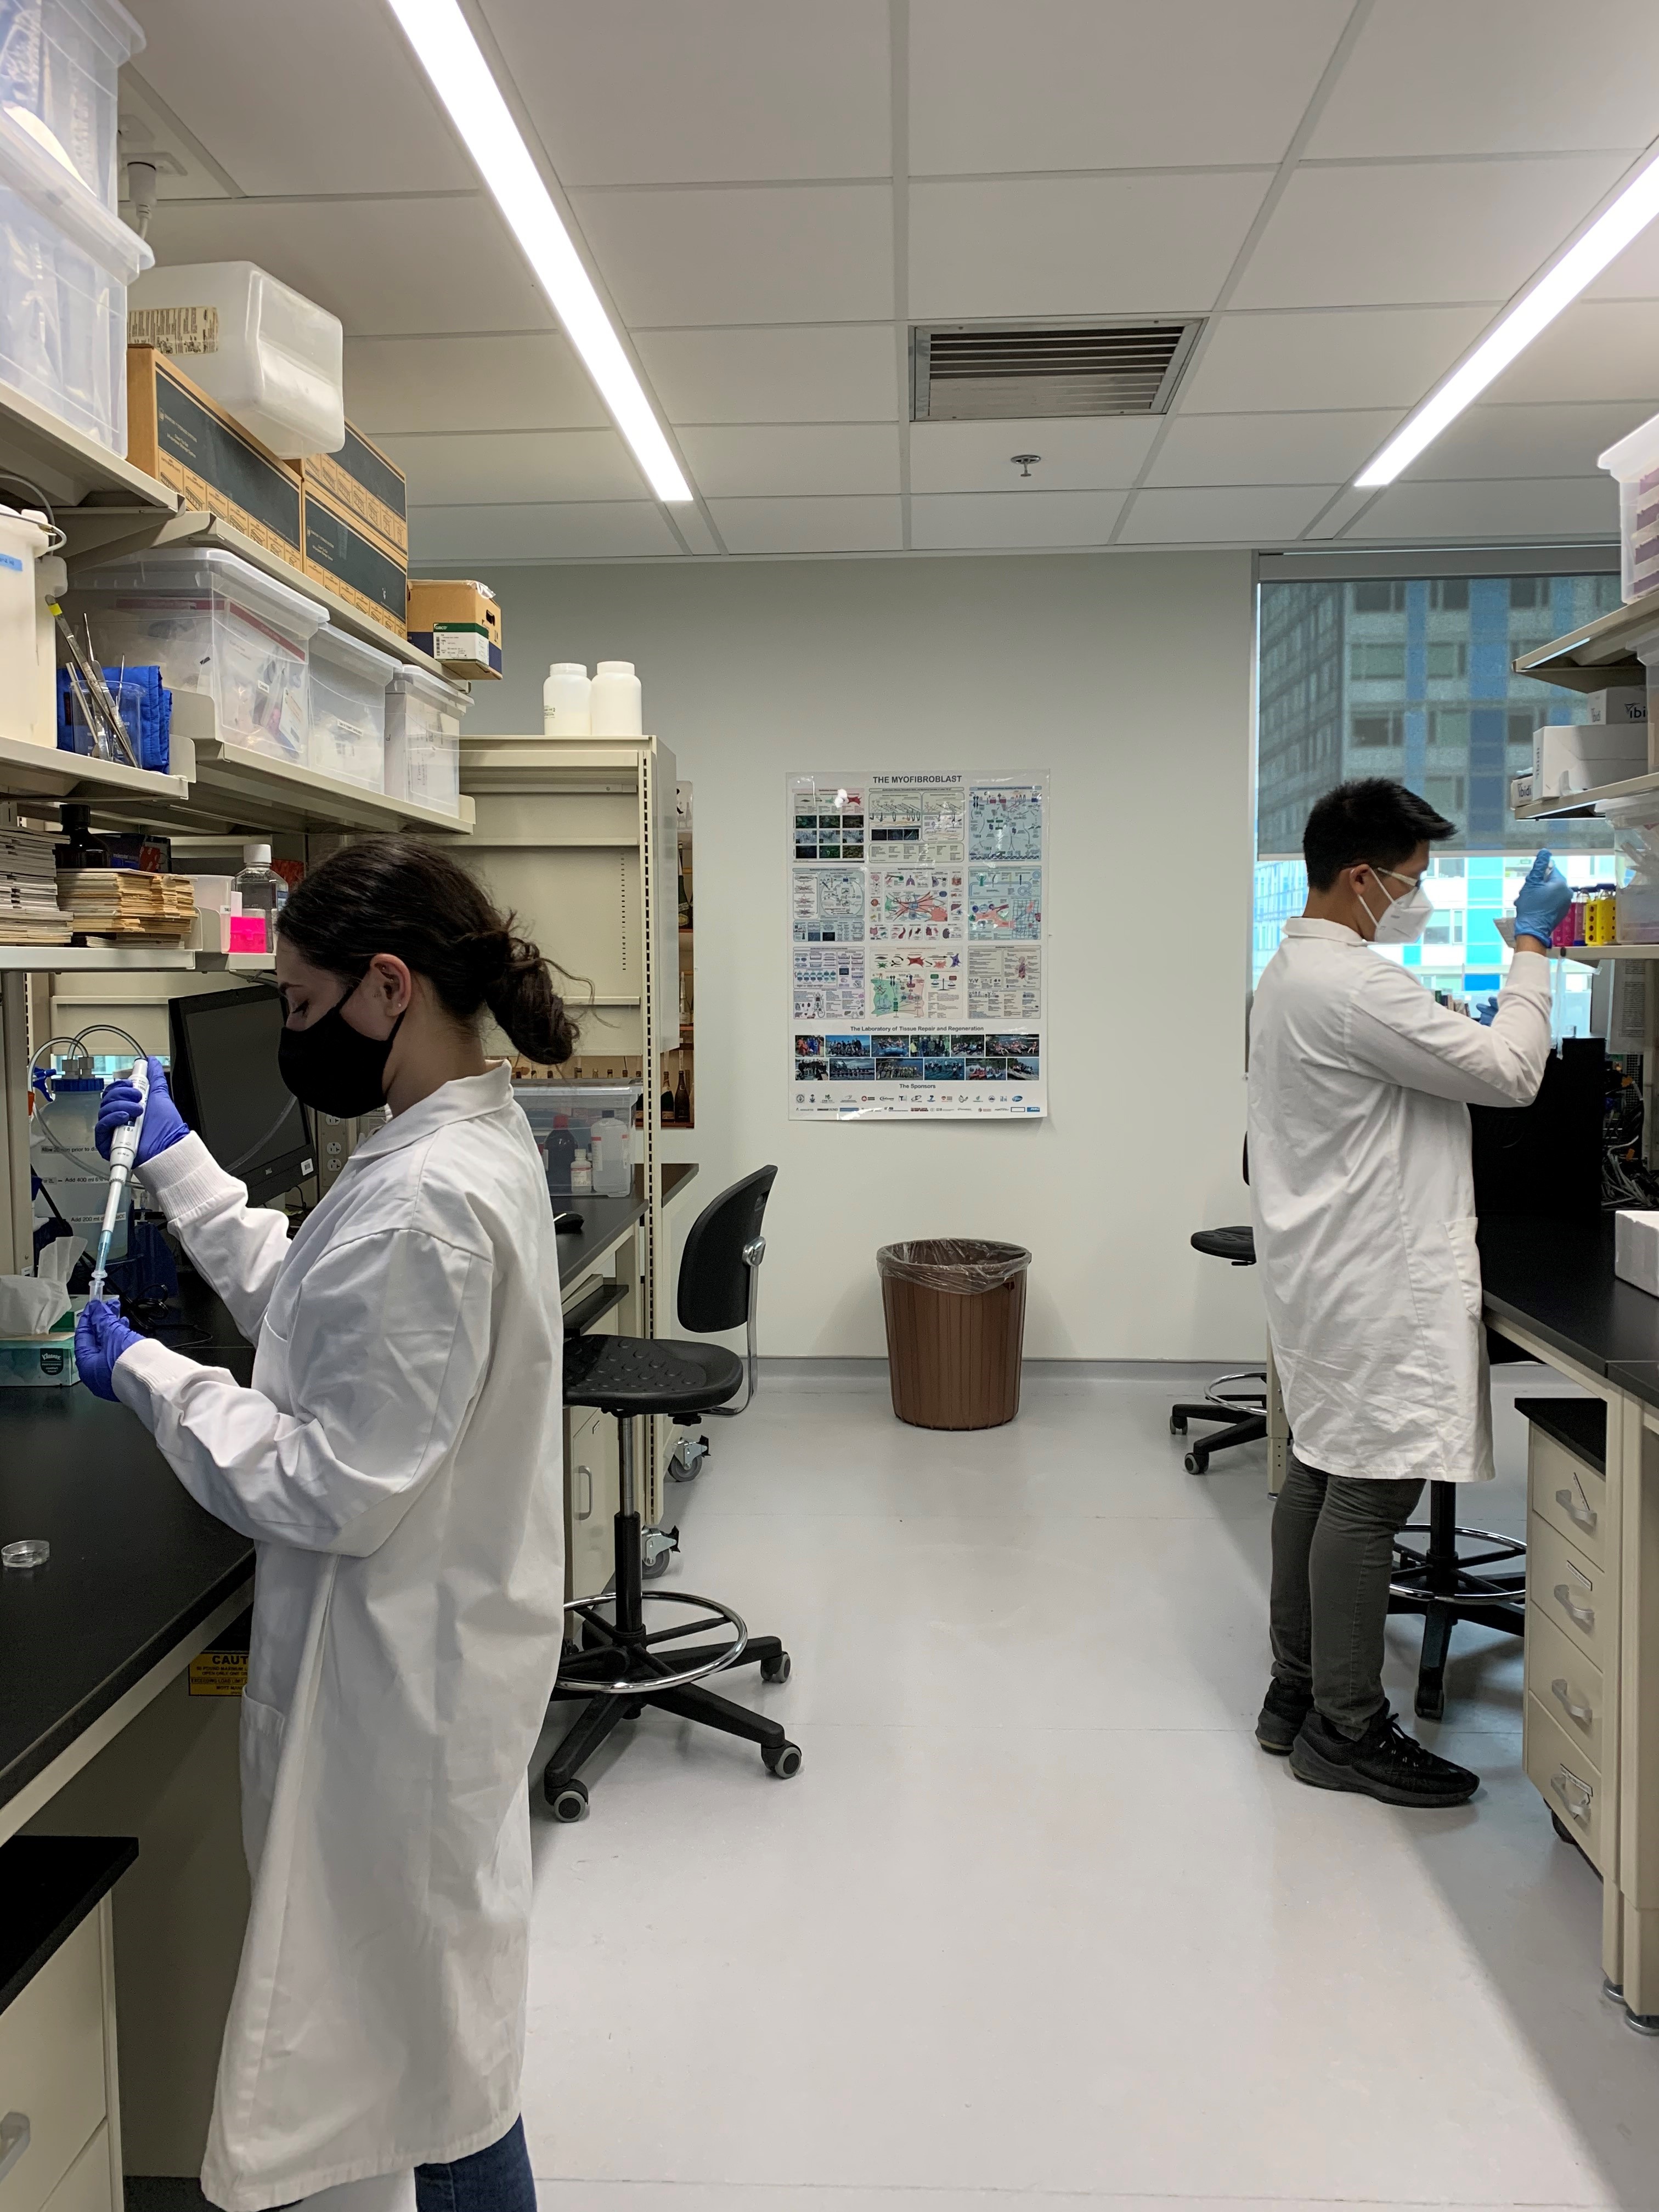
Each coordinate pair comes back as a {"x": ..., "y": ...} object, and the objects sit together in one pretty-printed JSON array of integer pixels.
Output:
[{"x": 962, "y": 1264}]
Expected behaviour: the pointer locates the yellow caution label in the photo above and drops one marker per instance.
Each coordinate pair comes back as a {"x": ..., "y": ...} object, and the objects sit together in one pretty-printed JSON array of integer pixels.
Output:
[{"x": 218, "y": 1674}]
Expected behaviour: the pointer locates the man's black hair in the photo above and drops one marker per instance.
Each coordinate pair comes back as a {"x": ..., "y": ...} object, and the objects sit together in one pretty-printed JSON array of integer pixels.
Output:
[{"x": 1374, "y": 820}]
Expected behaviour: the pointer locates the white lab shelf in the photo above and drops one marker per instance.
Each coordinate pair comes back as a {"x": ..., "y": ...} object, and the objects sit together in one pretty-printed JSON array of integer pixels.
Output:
[
  {"x": 1594, "y": 952},
  {"x": 64, "y": 464},
  {"x": 1635, "y": 788},
  {"x": 234, "y": 963},
  {"x": 1605, "y": 652},
  {"x": 43, "y": 772},
  {"x": 59, "y": 959}
]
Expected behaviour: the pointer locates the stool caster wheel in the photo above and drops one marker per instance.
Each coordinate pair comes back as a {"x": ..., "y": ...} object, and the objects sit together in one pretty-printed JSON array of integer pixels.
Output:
[
  {"x": 781, "y": 1759},
  {"x": 775, "y": 1670},
  {"x": 1177, "y": 1426},
  {"x": 1568, "y": 1836},
  {"x": 1198, "y": 1460},
  {"x": 569, "y": 1803}
]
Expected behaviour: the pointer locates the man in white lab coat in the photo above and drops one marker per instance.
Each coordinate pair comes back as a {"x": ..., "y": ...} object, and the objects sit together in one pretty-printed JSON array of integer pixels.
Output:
[{"x": 1364, "y": 1200}]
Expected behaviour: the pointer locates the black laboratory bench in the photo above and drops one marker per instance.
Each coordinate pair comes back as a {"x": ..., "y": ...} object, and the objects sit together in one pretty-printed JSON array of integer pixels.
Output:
[
  {"x": 1554, "y": 1278},
  {"x": 605, "y": 1219}
]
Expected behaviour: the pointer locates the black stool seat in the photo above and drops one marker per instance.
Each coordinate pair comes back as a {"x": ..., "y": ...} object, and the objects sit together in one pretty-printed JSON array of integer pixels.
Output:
[
  {"x": 1237, "y": 1245},
  {"x": 625, "y": 1375}
]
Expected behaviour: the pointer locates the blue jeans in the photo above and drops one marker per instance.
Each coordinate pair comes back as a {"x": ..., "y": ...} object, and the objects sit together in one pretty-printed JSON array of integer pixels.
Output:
[{"x": 494, "y": 2180}]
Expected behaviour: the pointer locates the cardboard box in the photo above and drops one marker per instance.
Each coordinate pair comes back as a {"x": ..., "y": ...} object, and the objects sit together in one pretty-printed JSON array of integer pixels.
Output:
[
  {"x": 340, "y": 553},
  {"x": 1569, "y": 757},
  {"x": 1624, "y": 702},
  {"x": 369, "y": 487},
  {"x": 458, "y": 623},
  {"x": 176, "y": 433}
]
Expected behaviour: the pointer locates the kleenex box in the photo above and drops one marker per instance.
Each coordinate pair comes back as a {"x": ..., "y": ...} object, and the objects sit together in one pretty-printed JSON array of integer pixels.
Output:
[{"x": 1636, "y": 1250}]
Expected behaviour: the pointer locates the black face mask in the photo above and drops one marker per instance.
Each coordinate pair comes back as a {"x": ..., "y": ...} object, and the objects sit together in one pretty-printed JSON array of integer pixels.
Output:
[{"x": 333, "y": 1068}]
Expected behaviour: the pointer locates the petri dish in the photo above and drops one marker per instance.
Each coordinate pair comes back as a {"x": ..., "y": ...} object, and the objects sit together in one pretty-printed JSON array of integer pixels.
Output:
[{"x": 30, "y": 1552}]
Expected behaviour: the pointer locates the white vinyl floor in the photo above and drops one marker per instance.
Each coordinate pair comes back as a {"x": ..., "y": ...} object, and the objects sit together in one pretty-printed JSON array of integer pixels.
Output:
[{"x": 1038, "y": 1925}]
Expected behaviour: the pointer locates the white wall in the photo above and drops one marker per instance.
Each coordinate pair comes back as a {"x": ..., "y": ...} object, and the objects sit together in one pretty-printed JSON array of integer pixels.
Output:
[{"x": 1128, "y": 678}]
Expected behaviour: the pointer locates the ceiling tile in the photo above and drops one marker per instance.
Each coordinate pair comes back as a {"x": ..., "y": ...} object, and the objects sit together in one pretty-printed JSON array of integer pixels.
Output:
[
  {"x": 520, "y": 382},
  {"x": 832, "y": 373},
  {"x": 1633, "y": 274},
  {"x": 477, "y": 467},
  {"x": 1262, "y": 449},
  {"x": 1561, "y": 441},
  {"x": 370, "y": 262},
  {"x": 1406, "y": 232},
  {"x": 1099, "y": 84},
  {"x": 975, "y": 520},
  {"x": 1076, "y": 454},
  {"x": 809, "y": 525},
  {"x": 1556, "y": 507},
  {"x": 1594, "y": 351},
  {"x": 306, "y": 97},
  {"x": 1253, "y": 514},
  {"x": 1077, "y": 246},
  {"x": 800, "y": 254},
  {"x": 1495, "y": 77},
  {"x": 1351, "y": 357},
  {"x": 725, "y": 89},
  {"x": 588, "y": 530},
  {"x": 790, "y": 459},
  {"x": 147, "y": 127}
]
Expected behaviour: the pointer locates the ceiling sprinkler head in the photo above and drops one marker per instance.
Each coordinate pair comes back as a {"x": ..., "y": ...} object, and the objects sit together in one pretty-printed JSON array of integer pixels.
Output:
[{"x": 1025, "y": 462}]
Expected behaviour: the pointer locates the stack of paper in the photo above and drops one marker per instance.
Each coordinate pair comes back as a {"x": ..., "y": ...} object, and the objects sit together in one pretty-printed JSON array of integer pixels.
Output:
[
  {"x": 127, "y": 903},
  {"x": 29, "y": 912}
]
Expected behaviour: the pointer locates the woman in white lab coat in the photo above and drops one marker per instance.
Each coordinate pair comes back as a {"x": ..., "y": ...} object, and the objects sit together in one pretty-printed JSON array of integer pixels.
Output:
[{"x": 397, "y": 1463}]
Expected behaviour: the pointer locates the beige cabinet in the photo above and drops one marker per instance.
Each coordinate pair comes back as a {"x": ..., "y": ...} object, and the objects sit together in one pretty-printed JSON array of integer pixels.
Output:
[
  {"x": 59, "y": 2113},
  {"x": 1572, "y": 1644}
]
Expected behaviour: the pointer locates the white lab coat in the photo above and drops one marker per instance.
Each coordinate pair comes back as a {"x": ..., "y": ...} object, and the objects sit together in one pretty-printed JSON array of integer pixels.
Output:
[
  {"x": 397, "y": 1463},
  {"x": 1364, "y": 1200}
]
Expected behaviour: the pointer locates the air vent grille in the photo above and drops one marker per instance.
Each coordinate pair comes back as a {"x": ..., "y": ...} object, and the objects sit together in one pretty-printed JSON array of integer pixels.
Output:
[{"x": 965, "y": 372}]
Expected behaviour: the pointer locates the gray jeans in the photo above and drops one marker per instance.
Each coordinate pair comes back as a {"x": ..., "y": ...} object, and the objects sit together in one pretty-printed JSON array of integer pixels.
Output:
[{"x": 1333, "y": 1550}]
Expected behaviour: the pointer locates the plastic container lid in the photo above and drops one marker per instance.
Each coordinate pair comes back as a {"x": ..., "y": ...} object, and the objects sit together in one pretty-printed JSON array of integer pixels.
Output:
[
  {"x": 433, "y": 688},
  {"x": 614, "y": 668},
  {"x": 191, "y": 570},
  {"x": 1635, "y": 455},
  {"x": 366, "y": 662},
  {"x": 111, "y": 26},
  {"x": 34, "y": 166}
]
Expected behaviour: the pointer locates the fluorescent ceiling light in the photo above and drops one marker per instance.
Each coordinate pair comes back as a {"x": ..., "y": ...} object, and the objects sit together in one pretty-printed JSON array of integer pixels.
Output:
[
  {"x": 1612, "y": 231},
  {"x": 451, "y": 56}
]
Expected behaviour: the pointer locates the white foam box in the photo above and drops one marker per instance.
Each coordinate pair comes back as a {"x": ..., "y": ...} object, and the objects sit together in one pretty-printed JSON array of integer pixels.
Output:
[
  {"x": 1626, "y": 703},
  {"x": 1568, "y": 756},
  {"x": 1636, "y": 1250}
]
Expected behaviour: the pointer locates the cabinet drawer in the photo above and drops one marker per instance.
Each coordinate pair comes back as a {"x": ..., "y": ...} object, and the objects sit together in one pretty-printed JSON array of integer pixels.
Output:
[
  {"x": 1570, "y": 1784},
  {"x": 86, "y": 2187},
  {"x": 52, "y": 2066},
  {"x": 1570, "y": 1495},
  {"x": 1568, "y": 1589},
  {"x": 1568, "y": 1686}
]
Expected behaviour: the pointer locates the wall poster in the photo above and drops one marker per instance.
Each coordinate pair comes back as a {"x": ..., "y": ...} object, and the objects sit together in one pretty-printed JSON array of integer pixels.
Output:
[{"x": 918, "y": 925}]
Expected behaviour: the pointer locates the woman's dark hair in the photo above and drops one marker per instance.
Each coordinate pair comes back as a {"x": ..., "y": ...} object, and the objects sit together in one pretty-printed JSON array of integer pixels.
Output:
[
  {"x": 395, "y": 895},
  {"x": 1374, "y": 820}
]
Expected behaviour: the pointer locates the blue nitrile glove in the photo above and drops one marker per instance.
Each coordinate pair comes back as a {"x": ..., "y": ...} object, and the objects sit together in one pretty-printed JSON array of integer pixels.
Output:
[
  {"x": 1541, "y": 900},
  {"x": 100, "y": 1336},
  {"x": 163, "y": 1123}
]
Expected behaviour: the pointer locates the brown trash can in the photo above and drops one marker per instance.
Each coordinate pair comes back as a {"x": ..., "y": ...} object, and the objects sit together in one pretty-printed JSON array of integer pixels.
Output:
[{"x": 956, "y": 1323}]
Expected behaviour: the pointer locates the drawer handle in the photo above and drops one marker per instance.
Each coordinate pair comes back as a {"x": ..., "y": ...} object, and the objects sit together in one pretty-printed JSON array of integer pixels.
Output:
[
  {"x": 1575, "y": 1795},
  {"x": 1577, "y": 1511},
  {"x": 585, "y": 1509},
  {"x": 14, "y": 2140},
  {"x": 1582, "y": 1714},
  {"x": 1583, "y": 1614}
]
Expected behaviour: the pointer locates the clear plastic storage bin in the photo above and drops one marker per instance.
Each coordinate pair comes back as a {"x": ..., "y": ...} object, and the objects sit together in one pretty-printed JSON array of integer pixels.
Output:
[
  {"x": 213, "y": 623},
  {"x": 275, "y": 364},
  {"x": 347, "y": 708},
  {"x": 423, "y": 739},
  {"x": 58, "y": 65},
  {"x": 563, "y": 1118},
  {"x": 1635, "y": 462},
  {"x": 65, "y": 263}
]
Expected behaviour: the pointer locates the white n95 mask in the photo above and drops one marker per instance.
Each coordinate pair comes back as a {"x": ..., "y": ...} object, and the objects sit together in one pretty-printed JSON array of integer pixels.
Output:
[{"x": 1405, "y": 920}]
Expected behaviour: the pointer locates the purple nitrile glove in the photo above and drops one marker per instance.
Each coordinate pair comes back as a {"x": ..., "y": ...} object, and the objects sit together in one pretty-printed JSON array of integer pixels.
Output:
[
  {"x": 100, "y": 1336},
  {"x": 121, "y": 1105}
]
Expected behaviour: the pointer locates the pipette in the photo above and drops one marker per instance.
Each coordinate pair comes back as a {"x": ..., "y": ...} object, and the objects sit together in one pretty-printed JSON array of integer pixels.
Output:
[{"x": 123, "y": 1151}]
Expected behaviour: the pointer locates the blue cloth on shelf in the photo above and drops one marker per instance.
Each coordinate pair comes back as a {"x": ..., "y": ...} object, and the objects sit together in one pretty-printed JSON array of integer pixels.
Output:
[{"x": 145, "y": 705}]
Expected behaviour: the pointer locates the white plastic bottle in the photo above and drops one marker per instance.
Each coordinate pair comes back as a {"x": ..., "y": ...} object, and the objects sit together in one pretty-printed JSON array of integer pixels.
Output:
[
  {"x": 565, "y": 700},
  {"x": 260, "y": 890},
  {"x": 613, "y": 1172},
  {"x": 582, "y": 1174},
  {"x": 615, "y": 704}
]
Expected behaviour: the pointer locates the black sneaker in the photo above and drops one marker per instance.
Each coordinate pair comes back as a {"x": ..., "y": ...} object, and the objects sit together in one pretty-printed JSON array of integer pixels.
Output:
[
  {"x": 1283, "y": 1711},
  {"x": 1385, "y": 1763}
]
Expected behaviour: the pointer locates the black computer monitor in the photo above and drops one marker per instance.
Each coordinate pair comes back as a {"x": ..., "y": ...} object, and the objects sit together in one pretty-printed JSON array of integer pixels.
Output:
[{"x": 224, "y": 1077}]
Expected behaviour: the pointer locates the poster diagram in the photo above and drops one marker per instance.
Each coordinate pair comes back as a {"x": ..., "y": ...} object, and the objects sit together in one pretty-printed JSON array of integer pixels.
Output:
[
  {"x": 1004, "y": 822},
  {"x": 916, "y": 818},
  {"x": 915, "y": 906},
  {"x": 827, "y": 818},
  {"x": 830, "y": 983},
  {"x": 828, "y": 905},
  {"x": 1005, "y": 983},
  {"x": 918, "y": 906},
  {"x": 1005, "y": 904},
  {"x": 924, "y": 988}
]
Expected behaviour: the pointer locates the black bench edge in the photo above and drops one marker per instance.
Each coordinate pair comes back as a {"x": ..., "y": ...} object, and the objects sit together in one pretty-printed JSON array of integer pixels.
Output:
[{"x": 50, "y": 1884}]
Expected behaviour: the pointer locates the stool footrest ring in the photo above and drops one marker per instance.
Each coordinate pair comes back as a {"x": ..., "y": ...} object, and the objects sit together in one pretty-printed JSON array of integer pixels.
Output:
[{"x": 622, "y": 1651}]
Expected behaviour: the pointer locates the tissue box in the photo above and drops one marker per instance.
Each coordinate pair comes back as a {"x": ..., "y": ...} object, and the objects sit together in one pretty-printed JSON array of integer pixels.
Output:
[
  {"x": 1624, "y": 702},
  {"x": 37, "y": 1362},
  {"x": 1569, "y": 757},
  {"x": 1636, "y": 1250}
]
